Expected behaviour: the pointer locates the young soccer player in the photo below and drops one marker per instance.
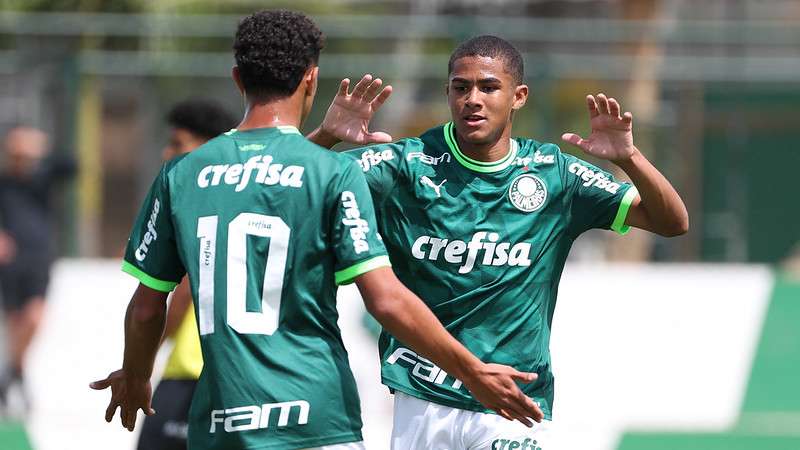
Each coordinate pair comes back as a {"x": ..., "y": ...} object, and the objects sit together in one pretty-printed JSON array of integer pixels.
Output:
[
  {"x": 267, "y": 224},
  {"x": 479, "y": 224}
]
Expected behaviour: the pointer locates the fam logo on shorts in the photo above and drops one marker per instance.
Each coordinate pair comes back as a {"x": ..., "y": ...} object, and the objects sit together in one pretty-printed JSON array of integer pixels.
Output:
[{"x": 527, "y": 193}]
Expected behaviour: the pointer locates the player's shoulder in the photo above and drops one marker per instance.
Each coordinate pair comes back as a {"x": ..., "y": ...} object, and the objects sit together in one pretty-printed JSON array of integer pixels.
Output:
[
  {"x": 436, "y": 142},
  {"x": 393, "y": 153}
]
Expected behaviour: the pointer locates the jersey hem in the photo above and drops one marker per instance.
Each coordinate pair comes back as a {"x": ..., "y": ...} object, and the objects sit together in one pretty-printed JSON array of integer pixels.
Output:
[
  {"x": 147, "y": 280},
  {"x": 310, "y": 443},
  {"x": 467, "y": 406},
  {"x": 346, "y": 276},
  {"x": 622, "y": 213}
]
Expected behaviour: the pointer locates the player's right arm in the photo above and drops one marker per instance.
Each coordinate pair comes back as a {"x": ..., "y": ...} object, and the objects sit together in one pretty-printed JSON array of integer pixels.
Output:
[{"x": 361, "y": 257}]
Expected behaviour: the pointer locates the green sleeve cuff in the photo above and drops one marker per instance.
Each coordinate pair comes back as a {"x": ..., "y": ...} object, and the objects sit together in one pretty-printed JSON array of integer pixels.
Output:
[
  {"x": 147, "y": 280},
  {"x": 622, "y": 213},
  {"x": 346, "y": 276}
]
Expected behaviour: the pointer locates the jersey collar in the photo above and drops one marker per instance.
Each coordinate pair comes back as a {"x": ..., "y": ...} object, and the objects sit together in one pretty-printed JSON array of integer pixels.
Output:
[
  {"x": 283, "y": 129},
  {"x": 478, "y": 166}
]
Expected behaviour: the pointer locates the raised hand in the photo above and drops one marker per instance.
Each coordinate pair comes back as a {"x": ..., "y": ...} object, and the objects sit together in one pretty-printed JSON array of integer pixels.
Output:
[
  {"x": 348, "y": 116},
  {"x": 612, "y": 133},
  {"x": 127, "y": 393},
  {"x": 494, "y": 386}
]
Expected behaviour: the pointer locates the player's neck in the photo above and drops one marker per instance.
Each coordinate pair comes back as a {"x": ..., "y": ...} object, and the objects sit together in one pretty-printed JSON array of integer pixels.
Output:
[
  {"x": 491, "y": 151},
  {"x": 282, "y": 112}
]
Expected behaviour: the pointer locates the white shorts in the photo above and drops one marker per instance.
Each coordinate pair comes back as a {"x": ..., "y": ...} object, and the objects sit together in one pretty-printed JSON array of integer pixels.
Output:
[
  {"x": 422, "y": 425},
  {"x": 347, "y": 446}
]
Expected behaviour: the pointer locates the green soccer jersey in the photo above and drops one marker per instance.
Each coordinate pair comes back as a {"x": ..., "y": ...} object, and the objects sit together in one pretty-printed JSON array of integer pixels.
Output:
[
  {"x": 266, "y": 224},
  {"x": 484, "y": 244}
]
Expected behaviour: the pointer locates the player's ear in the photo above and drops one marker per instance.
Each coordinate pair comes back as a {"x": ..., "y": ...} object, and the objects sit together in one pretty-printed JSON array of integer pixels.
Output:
[
  {"x": 237, "y": 78},
  {"x": 520, "y": 96},
  {"x": 311, "y": 79}
]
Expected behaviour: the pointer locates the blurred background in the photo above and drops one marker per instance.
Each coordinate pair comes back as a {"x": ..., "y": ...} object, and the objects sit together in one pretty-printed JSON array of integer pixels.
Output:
[{"x": 695, "y": 349}]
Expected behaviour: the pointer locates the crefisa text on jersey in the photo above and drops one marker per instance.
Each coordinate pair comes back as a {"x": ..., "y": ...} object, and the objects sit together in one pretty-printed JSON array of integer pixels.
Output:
[
  {"x": 371, "y": 158},
  {"x": 352, "y": 219},
  {"x": 150, "y": 235},
  {"x": 495, "y": 253},
  {"x": 266, "y": 171},
  {"x": 597, "y": 179}
]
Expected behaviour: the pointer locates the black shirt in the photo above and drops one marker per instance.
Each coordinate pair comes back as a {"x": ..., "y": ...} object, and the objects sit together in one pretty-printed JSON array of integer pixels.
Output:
[{"x": 26, "y": 210}]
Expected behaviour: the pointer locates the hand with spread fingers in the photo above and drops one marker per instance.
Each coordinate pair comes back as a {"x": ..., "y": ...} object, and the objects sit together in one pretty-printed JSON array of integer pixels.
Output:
[
  {"x": 349, "y": 114},
  {"x": 495, "y": 387},
  {"x": 128, "y": 393},
  {"x": 612, "y": 130}
]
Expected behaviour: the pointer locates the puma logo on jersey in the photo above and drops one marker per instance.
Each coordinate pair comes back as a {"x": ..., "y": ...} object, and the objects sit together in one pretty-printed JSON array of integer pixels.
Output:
[
  {"x": 422, "y": 368},
  {"x": 150, "y": 235},
  {"x": 597, "y": 179},
  {"x": 453, "y": 251},
  {"x": 352, "y": 219},
  {"x": 428, "y": 159},
  {"x": 371, "y": 158},
  {"x": 240, "y": 174},
  {"x": 436, "y": 187},
  {"x": 255, "y": 417}
]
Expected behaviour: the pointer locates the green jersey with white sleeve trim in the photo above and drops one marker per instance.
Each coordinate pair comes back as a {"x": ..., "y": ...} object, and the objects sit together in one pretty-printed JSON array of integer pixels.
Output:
[
  {"x": 266, "y": 224},
  {"x": 484, "y": 245}
]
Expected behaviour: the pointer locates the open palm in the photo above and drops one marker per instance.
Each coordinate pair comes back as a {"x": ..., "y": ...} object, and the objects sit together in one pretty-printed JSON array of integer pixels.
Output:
[
  {"x": 349, "y": 114},
  {"x": 612, "y": 135}
]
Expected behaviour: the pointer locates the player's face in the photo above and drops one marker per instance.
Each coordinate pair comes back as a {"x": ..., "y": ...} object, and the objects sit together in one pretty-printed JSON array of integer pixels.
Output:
[
  {"x": 482, "y": 96},
  {"x": 181, "y": 141}
]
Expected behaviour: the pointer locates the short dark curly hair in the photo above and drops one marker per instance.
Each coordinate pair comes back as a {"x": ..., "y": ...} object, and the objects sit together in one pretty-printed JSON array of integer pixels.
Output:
[
  {"x": 201, "y": 117},
  {"x": 273, "y": 49},
  {"x": 492, "y": 47}
]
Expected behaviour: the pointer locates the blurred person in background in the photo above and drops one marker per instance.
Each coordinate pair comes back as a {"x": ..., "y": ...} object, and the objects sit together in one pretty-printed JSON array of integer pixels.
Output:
[
  {"x": 192, "y": 123},
  {"x": 27, "y": 246},
  {"x": 479, "y": 224},
  {"x": 267, "y": 224}
]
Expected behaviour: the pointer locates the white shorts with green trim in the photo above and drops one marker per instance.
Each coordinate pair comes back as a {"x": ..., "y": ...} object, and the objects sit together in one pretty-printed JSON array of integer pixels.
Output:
[{"x": 422, "y": 425}]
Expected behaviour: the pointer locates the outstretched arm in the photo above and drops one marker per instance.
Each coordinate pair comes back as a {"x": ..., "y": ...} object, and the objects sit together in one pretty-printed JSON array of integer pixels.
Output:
[
  {"x": 349, "y": 114},
  {"x": 405, "y": 316},
  {"x": 130, "y": 386},
  {"x": 658, "y": 208}
]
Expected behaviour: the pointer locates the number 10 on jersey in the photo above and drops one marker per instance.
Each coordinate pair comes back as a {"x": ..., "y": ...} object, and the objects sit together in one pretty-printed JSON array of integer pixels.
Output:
[{"x": 241, "y": 320}]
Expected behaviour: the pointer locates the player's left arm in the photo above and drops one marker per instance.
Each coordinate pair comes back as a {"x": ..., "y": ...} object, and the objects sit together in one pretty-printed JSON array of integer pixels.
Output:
[{"x": 658, "y": 207}]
